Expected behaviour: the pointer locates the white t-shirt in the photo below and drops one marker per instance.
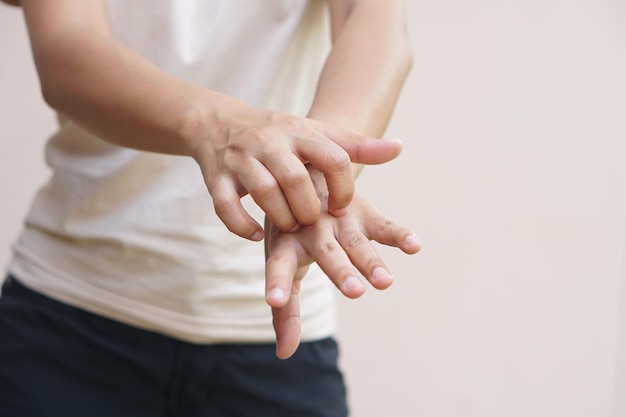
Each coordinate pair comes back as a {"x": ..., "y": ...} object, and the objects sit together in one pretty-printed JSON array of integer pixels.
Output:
[{"x": 133, "y": 235}]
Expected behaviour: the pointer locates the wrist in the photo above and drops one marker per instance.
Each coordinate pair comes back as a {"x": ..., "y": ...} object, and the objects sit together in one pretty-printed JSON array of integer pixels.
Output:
[{"x": 208, "y": 119}]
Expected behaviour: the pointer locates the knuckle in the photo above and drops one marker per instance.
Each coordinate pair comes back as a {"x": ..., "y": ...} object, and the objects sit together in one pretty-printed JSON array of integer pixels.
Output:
[
  {"x": 264, "y": 189},
  {"x": 293, "y": 177},
  {"x": 340, "y": 160},
  {"x": 308, "y": 216},
  {"x": 261, "y": 134},
  {"x": 356, "y": 240},
  {"x": 224, "y": 205},
  {"x": 353, "y": 239},
  {"x": 385, "y": 226},
  {"x": 275, "y": 259},
  {"x": 231, "y": 160},
  {"x": 293, "y": 124},
  {"x": 326, "y": 247}
]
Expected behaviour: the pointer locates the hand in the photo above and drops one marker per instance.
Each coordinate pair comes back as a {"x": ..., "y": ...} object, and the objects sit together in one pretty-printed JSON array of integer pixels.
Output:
[
  {"x": 119, "y": 96},
  {"x": 341, "y": 247},
  {"x": 264, "y": 153}
]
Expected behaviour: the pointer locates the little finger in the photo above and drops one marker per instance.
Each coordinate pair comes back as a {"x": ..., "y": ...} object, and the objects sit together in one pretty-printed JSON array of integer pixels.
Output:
[
  {"x": 228, "y": 207},
  {"x": 365, "y": 258},
  {"x": 390, "y": 233}
]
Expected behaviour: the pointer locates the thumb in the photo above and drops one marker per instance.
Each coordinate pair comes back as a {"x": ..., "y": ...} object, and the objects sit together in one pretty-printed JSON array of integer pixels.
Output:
[
  {"x": 364, "y": 149},
  {"x": 375, "y": 151}
]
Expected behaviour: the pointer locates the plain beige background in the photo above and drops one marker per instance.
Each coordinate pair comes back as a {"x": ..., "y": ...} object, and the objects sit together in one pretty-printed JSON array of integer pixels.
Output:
[{"x": 513, "y": 175}]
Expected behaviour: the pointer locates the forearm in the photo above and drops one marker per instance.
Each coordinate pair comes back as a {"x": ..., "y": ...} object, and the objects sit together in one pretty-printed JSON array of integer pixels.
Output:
[
  {"x": 367, "y": 66},
  {"x": 101, "y": 84}
]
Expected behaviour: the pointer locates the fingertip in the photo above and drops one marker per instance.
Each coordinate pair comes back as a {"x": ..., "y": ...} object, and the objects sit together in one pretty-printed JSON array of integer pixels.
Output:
[
  {"x": 381, "y": 278},
  {"x": 396, "y": 141},
  {"x": 287, "y": 343},
  {"x": 257, "y": 236},
  {"x": 378, "y": 151},
  {"x": 352, "y": 287},
  {"x": 276, "y": 297},
  {"x": 309, "y": 217},
  {"x": 335, "y": 208},
  {"x": 337, "y": 212},
  {"x": 394, "y": 146},
  {"x": 412, "y": 244},
  {"x": 287, "y": 228},
  {"x": 283, "y": 354},
  {"x": 285, "y": 348},
  {"x": 240, "y": 223}
]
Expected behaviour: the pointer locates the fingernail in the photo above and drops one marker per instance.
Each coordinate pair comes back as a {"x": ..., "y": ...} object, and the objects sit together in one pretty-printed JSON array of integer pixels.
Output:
[
  {"x": 295, "y": 228},
  {"x": 393, "y": 140},
  {"x": 276, "y": 294},
  {"x": 257, "y": 236},
  {"x": 412, "y": 240},
  {"x": 381, "y": 274},
  {"x": 352, "y": 283}
]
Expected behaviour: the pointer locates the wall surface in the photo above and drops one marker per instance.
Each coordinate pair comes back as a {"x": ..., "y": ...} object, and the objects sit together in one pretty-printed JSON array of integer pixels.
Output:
[
  {"x": 25, "y": 124},
  {"x": 513, "y": 176}
]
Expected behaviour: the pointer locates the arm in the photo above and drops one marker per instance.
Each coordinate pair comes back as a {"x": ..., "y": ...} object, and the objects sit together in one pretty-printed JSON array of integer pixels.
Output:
[
  {"x": 358, "y": 89},
  {"x": 366, "y": 68},
  {"x": 110, "y": 90}
]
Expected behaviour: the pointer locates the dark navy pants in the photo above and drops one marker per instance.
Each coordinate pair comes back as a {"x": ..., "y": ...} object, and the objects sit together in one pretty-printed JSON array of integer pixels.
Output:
[{"x": 61, "y": 361}]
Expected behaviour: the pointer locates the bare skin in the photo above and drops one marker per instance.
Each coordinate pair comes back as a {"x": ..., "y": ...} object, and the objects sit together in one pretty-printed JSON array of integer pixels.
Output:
[
  {"x": 99, "y": 83},
  {"x": 298, "y": 170},
  {"x": 342, "y": 247},
  {"x": 370, "y": 48}
]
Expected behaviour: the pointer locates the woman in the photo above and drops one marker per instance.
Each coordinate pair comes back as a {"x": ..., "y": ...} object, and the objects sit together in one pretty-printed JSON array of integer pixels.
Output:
[{"x": 126, "y": 294}]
